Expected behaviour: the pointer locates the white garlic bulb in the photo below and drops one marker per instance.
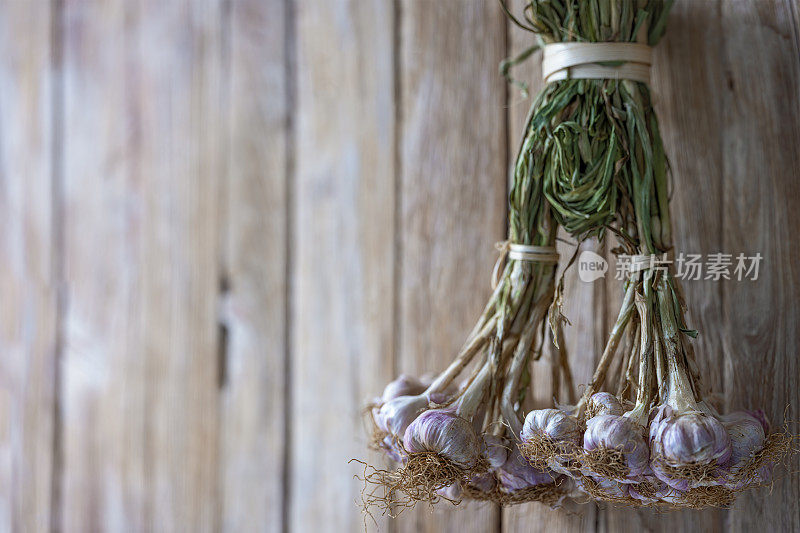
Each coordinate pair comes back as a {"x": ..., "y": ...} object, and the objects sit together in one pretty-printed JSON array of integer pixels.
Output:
[
  {"x": 447, "y": 434},
  {"x": 555, "y": 424},
  {"x": 395, "y": 415}
]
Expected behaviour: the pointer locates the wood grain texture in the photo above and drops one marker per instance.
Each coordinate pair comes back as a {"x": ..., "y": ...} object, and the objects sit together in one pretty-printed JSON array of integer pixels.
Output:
[
  {"x": 343, "y": 246},
  {"x": 29, "y": 268},
  {"x": 452, "y": 194},
  {"x": 199, "y": 195},
  {"x": 760, "y": 162},
  {"x": 254, "y": 256},
  {"x": 141, "y": 168}
]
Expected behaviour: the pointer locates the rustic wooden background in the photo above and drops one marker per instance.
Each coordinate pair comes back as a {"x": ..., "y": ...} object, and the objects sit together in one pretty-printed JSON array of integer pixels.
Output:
[{"x": 224, "y": 224}]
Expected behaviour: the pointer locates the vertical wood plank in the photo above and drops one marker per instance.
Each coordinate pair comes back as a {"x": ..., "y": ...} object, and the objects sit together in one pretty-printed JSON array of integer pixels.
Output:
[
  {"x": 343, "y": 244},
  {"x": 452, "y": 195},
  {"x": 141, "y": 166},
  {"x": 28, "y": 267},
  {"x": 583, "y": 304},
  {"x": 255, "y": 244},
  {"x": 686, "y": 80},
  {"x": 761, "y": 136}
]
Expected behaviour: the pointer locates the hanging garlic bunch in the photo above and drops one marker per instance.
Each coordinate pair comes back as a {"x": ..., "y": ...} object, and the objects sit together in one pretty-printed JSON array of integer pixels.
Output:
[
  {"x": 437, "y": 433},
  {"x": 643, "y": 433},
  {"x": 650, "y": 438}
]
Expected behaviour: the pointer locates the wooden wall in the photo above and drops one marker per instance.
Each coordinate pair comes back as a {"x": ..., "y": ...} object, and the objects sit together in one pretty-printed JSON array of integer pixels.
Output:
[{"x": 225, "y": 224}]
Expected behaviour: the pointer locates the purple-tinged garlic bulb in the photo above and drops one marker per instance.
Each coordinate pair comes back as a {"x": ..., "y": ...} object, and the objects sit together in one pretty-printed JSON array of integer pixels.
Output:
[
  {"x": 759, "y": 415},
  {"x": 395, "y": 415},
  {"x": 441, "y": 398},
  {"x": 690, "y": 438},
  {"x": 404, "y": 385},
  {"x": 604, "y": 403},
  {"x": 611, "y": 433},
  {"x": 747, "y": 433},
  {"x": 555, "y": 425},
  {"x": 392, "y": 449},
  {"x": 445, "y": 433},
  {"x": 517, "y": 473},
  {"x": 483, "y": 482},
  {"x": 495, "y": 450},
  {"x": 451, "y": 492}
]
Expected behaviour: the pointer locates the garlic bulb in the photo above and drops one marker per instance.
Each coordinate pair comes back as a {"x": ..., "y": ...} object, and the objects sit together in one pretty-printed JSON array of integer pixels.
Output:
[
  {"x": 518, "y": 474},
  {"x": 604, "y": 403},
  {"x": 440, "y": 398},
  {"x": 395, "y": 415},
  {"x": 747, "y": 438},
  {"x": 390, "y": 446},
  {"x": 483, "y": 482},
  {"x": 451, "y": 492},
  {"x": 495, "y": 450},
  {"x": 404, "y": 385},
  {"x": 759, "y": 415},
  {"x": 554, "y": 424},
  {"x": 619, "y": 433},
  {"x": 445, "y": 433},
  {"x": 689, "y": 438}
]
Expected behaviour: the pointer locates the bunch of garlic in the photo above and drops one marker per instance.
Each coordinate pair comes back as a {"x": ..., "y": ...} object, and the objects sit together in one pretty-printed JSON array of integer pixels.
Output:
[
  {"x": 592, "y": 160},
  {"x": 448, "y": 445},
  {"x": 437, "y": 433},
  {"x": 669, "y": 447}
]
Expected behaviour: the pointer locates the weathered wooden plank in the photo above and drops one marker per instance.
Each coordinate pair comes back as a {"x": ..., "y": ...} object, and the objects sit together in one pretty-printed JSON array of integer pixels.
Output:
[
  {"x": 452, "y": 194},
  {"x": 583, "y": 305},
  {"x": 28, "y": 267},
  {"x": 761, "y": 136},
  {"x": 685, "y": 80},
  {"x": 252, "y": 432},
  {"x": 141, "y": 166},
  {"x": 343, "y": 245}
]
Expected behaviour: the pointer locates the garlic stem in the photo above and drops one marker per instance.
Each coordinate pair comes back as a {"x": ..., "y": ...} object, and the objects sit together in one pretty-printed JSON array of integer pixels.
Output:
[
  {"x": 626, "y": 377},
  {"x": 694, "y": 370},
  {"x": 474, "y": 393},
  {"x": 611, "y": 346},
  {"x": 659, "y": 361},
  {"x": 625, "y": 356},
  {"x": 680, "y": 394},
  {"x": 644, "y": 392},
  {"x": 517, "y": 365}
]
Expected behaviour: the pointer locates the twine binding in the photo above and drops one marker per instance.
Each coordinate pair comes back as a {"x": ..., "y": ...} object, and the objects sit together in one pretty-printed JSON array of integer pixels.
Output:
[
  {"x": 521, "y": 252},
  {"x": 572, "y": 60}
]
